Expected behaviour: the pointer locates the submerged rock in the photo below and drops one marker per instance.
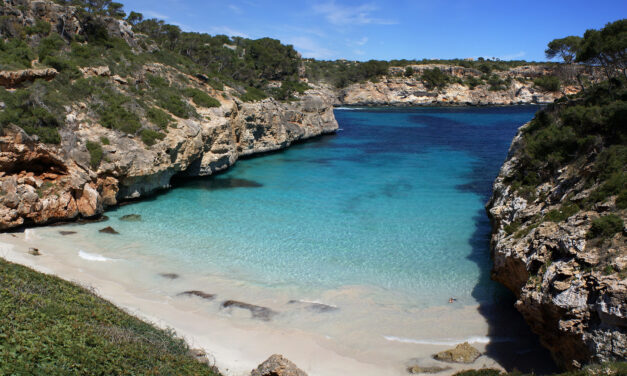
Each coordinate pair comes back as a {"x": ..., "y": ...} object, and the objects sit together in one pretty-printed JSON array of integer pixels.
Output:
[
  {"x": 415, "y": 369},
  {"x": 131, "y": 218},
  {"x": 169, "y": 275},
  {"x": 109, "y": 230},
  {"x": 65, "y": 233},
  {"x": 315, "y": 306},
  {"x": 277, "y": 365},
  {"x": 462, "y": 353},
  {"x": 34, "y": 251},
  {"x": 258, "y": 312},
  {"x": 200, "y": 294}
]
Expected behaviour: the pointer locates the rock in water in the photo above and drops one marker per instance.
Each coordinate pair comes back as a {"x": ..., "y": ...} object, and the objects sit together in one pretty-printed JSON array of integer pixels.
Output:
[
  {"x": 277, "y": 365},
  {"x": 462, "y": 353},
  {"x": 200, "y": 294},
  {"x": 258, "y": 312},
  {"x": 109, "y": 230},
  {"x": 131, "y": 218},
  {"x": 416, "y": 369}
]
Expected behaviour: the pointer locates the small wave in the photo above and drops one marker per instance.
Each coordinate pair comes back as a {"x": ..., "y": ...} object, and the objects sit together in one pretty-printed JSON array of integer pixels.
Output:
[
  {"x": 348, "y": 108},
  {"x": 93, "y": 257},
  {"x": 449, "y": 341}
]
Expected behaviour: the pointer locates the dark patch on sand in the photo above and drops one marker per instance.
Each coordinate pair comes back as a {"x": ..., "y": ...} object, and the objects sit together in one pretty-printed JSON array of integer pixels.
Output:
[
  {"x": 109, "y": 230},
  {"x": 258, "y": 312},
  {"x": 315, "y": 307},
  {"x": 169, "y": 275},
  {"x": 65, "y": 233},
  {"x": 200, "y": 294},
  {"x": 131, "y": 218}
]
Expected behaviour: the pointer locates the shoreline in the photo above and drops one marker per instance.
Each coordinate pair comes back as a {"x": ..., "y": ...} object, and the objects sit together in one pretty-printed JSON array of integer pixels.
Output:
[{"x": 238, "y": 346}]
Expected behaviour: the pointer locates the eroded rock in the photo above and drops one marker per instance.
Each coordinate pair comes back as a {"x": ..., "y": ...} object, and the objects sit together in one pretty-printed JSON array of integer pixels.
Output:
[
  {"x": 462, "y": 353},
  {"x": 277, "y": 365}
]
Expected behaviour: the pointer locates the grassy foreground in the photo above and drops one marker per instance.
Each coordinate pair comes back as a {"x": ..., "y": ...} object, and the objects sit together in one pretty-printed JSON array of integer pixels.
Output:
[{"x": 49, "y": 326}]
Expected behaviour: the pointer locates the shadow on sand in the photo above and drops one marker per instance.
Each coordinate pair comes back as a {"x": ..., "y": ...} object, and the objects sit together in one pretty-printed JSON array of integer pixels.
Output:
[{"x": 513, "y": 344}]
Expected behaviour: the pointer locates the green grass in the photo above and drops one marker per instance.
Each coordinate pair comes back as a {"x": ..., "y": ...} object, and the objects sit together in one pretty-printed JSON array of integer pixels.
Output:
[
  {"x": 159, "y": 118},
  {"x": 201, "y": 98},
  {"x": 52, "y": 327},
  {"x": 150, "y": 137},
  {"x": 253, "y": 94},
  {"x": 606, "y": 226}
]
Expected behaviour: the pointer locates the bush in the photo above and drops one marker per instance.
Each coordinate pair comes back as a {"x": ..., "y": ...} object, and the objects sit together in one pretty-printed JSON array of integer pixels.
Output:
[
  {"x": 435, "y": 78},
  {"x": 22, "y": 109},
  {"x": 105, "y": 141},
  {"x": 548, "y": 83},
  {"x": 606, "y": 226},
  {"x": 49, "y": 46},
  {"x": 201, "y": 98},
  {"x": 566, "y": 211},
  {"x": 473, "y": 82},
  {"x": 497, "y": 84},
  {"x": 159, "y": 118},
  {"x": 15, "y": 54},
  {"x": 253, "y": 94},
  {"x": 409, "y": 71},
  {"x": 95, "y": 154},
  {"x": 41, "y": 27},
  {"x": 150, "y": 137}
]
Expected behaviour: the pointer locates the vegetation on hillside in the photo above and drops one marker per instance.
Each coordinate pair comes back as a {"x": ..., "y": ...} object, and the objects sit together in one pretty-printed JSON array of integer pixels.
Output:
[{"x": 52, "y": 327}]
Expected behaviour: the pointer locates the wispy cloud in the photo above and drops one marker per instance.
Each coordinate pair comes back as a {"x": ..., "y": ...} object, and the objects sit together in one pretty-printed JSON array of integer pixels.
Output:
[
  {"x": 310, "y": 48},
  {"x": 342, "y": 15},
  {"x": 153, "y": 14},
  {"x": 227, "y": 31},
  {"x": 518, "y": 55},
  {"x": 361, "y": 41},
  {"x": 235, "y": 9}
]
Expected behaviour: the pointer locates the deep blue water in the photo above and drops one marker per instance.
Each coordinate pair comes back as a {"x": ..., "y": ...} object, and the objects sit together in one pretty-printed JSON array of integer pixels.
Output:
[{"x": 393, "y": 201}]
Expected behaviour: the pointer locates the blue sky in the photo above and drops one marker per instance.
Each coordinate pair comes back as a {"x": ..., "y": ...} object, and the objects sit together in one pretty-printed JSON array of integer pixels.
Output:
[{"x": 403, "y": 29}]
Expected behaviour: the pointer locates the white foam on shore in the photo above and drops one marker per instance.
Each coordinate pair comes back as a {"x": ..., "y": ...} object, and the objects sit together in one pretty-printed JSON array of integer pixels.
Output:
[
  {"x": 448, "y": 341},
  {"x": 348, "y": 108},
  {"x": 93, "y": 256}
]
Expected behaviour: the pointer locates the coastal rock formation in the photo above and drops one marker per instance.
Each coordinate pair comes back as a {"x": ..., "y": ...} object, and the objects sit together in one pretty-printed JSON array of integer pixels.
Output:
[
  {"x": 11, "y": 79},
  {"x": 46, "y": 183},
  {"x": 277, "y": 365},
  {"x": 462, "y": 353},
  {"x": 397, "y": 90},
  {"x": 571, "y": 289}
]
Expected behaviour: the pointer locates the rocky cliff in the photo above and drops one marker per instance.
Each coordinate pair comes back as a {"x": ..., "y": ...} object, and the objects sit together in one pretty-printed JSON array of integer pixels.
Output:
[
  {"x": 558, "y": 240},
  {"x": 513, "y": 86},
  {"x": 136, "y": 123}
]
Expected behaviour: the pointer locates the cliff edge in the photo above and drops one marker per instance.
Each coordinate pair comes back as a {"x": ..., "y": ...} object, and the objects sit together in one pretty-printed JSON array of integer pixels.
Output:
[{"x": 558, "y": 212}]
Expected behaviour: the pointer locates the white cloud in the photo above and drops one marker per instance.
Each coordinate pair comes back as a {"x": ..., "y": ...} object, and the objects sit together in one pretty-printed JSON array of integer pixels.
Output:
[
  {"x": 235, "y": 9},
  {"x": 227, "y": 31},
  {"x": 361, "y": 41},
  {"x": 342, "y": 15},
  {"x": 515, "y": 56},
  {"x": 153, "y": 14},
  {"x": 310, "y": 48}
]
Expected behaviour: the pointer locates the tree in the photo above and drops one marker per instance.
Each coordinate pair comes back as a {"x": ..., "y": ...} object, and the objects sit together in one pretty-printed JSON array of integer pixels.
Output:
[
  {"x": 115, "y": 10},
  {"x": 134, "y": 18},
  {"x": 565, "y": 48},
  {"x": 606, "y": 47}
]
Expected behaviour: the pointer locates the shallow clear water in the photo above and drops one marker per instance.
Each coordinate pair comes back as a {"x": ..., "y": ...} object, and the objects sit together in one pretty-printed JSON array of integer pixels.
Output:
[{"x": 385, "y": 218}]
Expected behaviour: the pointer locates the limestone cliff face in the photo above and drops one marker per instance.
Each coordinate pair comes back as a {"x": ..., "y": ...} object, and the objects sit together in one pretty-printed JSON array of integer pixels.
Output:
[
  {"x": 561, "y": 278},
  {"x": 397, "y": 90},
  {"x": 43, "y": 183}
]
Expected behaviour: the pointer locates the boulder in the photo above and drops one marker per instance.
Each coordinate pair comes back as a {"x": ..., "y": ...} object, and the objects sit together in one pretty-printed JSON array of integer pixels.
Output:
[
  {"x": 462, "y": 353},
  {"x": 277, "y": 365}
]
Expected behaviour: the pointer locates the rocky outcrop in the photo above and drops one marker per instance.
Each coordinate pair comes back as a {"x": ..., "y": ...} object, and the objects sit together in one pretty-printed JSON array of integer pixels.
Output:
[
  {"x": 462, "y": 353},
  {"x": 277, "y": 365},
  {"x": 43, "y": 183},
  {"x": 397, "y": 90},
  {"x": 571, "y": 290},
  {"x": 11, "y": 79}
]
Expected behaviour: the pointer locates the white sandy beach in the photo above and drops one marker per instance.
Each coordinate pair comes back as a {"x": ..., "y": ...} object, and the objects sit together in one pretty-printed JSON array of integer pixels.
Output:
[{"x": 237, "y": 342}]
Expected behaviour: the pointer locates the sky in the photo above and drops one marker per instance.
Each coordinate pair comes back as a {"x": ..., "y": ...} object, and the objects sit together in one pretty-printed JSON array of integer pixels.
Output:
[{"x": 385, "y": 30}]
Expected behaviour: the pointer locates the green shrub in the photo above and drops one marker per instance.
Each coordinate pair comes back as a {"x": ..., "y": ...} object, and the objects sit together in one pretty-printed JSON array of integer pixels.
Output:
[
  {"x": 50, "y": 45},
  {"x": 40, "y": 27},
  {"x": 159, "y": 118},
  {"x": 473, "y": 82},
  {"x": 150, "y": 137},
  {"x": 409, "y": 71},
  {"x": 605, "y": 226},
  {"x": 435, "y": 78},
  {"x": 15, "y": 54},
  {"x": 105, "y": 141},
  {"x": 22, "y": 109},
  {"x": 253, "y": 94},
  {"x": 201, "y": 98},
  {"x": 95, "y": 154},
  {"x": 621, "y": 200},
  {"x": 566, "y": 211},
  {"x": 497, "y": 84},
  {"x": 479, "y": 372},
  {"x": 548, "y": 83}
]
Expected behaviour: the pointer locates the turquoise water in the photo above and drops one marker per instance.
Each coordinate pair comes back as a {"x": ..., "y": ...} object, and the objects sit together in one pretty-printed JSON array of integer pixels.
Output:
[{"x": 393, "y": 201}]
